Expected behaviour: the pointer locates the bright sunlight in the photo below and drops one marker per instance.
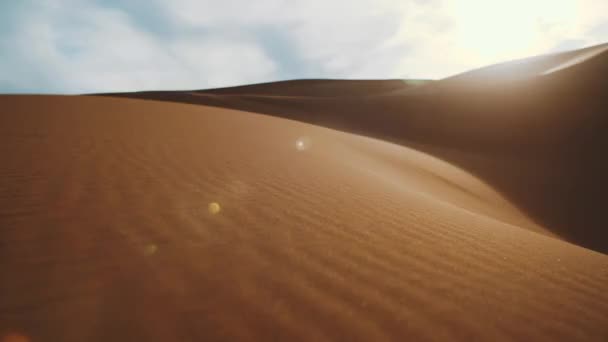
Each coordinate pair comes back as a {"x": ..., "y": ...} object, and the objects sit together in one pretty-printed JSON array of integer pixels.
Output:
[{"x": 500, "y": 30}]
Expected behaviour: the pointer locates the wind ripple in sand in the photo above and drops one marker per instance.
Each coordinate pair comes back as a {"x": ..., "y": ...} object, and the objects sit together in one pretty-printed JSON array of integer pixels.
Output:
[{"x": 107, "y": 235}]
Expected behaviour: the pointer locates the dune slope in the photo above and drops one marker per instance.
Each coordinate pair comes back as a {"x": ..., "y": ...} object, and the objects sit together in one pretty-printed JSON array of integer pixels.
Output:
[
  {"x": 124, "y": 219},
  {"x": 533, "y": 129}
]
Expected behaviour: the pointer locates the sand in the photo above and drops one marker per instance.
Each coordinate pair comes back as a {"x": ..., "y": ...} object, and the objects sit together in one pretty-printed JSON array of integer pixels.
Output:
[
  {"x": 536, "y": 137},
  {"x": 134, "y": 220}
]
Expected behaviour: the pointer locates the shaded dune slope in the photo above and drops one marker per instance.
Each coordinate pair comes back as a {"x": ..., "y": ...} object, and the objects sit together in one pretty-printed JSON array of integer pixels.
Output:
[
  {"x": 533, "y": 129},
  {"x": 319, "y": 88},
  {"x": 106, "y": 234}
]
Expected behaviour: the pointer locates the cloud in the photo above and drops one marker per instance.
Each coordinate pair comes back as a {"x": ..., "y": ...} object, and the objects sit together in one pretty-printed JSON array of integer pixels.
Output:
[
  {"x": 328, "y": 38},
  {"x": 92, "y": 49},
  {"x": 74, "y": 46},
  {"x": 458, "y": 35}
]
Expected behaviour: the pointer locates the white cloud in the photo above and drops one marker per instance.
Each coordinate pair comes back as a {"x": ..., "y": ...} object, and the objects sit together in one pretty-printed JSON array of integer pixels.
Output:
[
  {"x": 106, "y": 52},
  {"x": 481, "y": 32},
  {"x": 225, "y": 13},
  {"x": 82, "y": 46},
  {"x": 341, "y": 38},
  {"x": 223, "y": 62}
]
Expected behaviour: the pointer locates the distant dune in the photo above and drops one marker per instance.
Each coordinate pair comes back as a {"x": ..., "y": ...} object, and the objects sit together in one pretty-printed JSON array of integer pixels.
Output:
[
  {"x": 470, "y": 208},
  {"x": 535, "y": 136}
]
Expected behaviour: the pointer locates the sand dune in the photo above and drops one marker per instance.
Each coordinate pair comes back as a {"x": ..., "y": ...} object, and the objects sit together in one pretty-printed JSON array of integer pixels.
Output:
[
  {"x": 524, "y": 69},
  {"x": 535, "y": 138},
  {"x": 319, "y": 88},
  {"x": 127, "y": 219}
]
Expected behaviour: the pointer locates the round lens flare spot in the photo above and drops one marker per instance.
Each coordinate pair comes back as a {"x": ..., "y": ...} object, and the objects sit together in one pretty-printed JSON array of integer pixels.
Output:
[
  {"x": 214, "y": 208},
  {"x": 303, "y": 143},
  {"x": 14, "y": 337},
  {"x": 150, "y": 249}
]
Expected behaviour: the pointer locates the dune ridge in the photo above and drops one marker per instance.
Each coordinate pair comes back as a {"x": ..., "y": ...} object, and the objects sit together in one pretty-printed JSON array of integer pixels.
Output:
[{"x": 535, "y": 138}]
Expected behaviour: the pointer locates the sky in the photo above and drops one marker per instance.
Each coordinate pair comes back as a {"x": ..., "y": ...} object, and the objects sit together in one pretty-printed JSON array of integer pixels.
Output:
[{"x": 83, "y": 46}]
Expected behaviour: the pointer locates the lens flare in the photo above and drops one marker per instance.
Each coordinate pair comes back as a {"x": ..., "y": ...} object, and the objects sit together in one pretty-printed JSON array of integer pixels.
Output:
[
  {"x": 214, "y": 208},
  {"x": 15, "y": 337},
  {"x": 150, "y": 249},
  {"x": 303, "y": 143}
]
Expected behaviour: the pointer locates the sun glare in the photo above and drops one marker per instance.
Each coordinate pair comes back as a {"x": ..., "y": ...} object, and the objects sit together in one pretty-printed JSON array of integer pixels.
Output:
[{"x": 499, "y": 30}]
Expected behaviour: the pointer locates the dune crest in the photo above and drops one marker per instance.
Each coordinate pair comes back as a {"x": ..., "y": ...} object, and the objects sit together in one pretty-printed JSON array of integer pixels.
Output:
[
  {"x": 578, "y": 59},
  {"x": 532, "y": 137}
]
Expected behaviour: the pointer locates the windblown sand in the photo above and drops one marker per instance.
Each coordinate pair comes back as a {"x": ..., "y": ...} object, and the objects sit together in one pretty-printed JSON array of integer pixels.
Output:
[{"x": 137, "y": 220}]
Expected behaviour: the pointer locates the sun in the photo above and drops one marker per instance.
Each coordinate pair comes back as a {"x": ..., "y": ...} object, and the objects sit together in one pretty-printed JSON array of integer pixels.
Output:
[{"x": 500, "y": 30}]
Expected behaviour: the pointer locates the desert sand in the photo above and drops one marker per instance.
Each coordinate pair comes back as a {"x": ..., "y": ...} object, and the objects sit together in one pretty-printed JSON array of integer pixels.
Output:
[{"x": 470, "y": 208}]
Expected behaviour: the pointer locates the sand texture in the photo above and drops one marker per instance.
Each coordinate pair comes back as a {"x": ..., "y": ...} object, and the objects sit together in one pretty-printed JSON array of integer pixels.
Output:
[{"x": 470, "y": 208}]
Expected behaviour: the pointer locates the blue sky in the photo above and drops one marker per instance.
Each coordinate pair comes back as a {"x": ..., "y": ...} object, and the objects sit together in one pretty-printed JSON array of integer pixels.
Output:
[{"x": 79, "y": 46}]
